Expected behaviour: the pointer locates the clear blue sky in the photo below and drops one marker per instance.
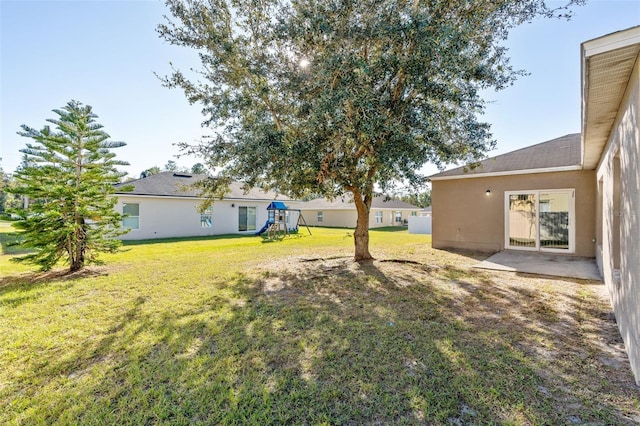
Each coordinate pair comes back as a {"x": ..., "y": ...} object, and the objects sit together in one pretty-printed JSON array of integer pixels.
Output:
[{"x": 105, "y": 53}]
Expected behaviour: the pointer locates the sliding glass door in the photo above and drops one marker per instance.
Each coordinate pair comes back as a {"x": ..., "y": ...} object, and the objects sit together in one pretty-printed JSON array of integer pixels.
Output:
[
  {"x": 522, "y": 221},
  {"x": 246, "y": 218},
  {"x": 540, "y": 220},
  {"x": 554, "y": 220}
]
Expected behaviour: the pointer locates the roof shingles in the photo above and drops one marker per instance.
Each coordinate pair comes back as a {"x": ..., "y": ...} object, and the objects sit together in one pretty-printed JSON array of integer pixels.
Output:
[
  {"x": 564, "y": 151},
  {"x": 170, "y": 184}
]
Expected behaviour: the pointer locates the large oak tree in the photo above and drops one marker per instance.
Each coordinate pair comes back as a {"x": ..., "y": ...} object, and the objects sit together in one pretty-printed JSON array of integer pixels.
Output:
[{"x": 329, "y": 97}]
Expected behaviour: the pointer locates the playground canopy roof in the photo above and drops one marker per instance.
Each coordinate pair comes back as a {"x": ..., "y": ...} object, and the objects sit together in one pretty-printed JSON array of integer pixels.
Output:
[{"x": 277, "y": 205}]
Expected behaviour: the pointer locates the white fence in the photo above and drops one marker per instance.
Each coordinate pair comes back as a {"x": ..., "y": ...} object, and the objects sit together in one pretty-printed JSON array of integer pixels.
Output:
[{"x": 420, "y": 224}]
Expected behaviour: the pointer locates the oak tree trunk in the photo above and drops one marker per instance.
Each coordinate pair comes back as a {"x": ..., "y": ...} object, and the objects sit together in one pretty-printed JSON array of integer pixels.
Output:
[{"x": 361, "y": 234}]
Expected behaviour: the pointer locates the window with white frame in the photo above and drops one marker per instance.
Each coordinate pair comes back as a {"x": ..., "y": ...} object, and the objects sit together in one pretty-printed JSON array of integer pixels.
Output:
[
  {"x": 131, "y": 213},
  {"x": 246, "y": 218},
  {"x": 206, "y": 218},
  {"x": 319, "y": 216},
  {"x": 413, "y": 213},
  {"x": 379, "y": 217},
  {"x": 398, "y": 217}
]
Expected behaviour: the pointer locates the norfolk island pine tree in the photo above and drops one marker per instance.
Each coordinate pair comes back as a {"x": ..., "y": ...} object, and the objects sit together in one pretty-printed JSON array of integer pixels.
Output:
[{"x": 67, "y": 174}]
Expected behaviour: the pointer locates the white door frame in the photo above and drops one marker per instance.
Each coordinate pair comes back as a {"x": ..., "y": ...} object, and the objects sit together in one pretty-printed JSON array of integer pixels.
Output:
[{"x": 537, "y": 192}]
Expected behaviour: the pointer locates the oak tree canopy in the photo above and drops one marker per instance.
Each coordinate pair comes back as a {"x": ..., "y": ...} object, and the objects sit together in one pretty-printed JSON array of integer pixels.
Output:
[{"x": 338, "y": 96}]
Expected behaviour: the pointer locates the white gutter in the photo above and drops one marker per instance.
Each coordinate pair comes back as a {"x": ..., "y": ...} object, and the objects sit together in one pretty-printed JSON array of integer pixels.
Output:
[
  {"x": 611, "y": 42},
  {"x": 511, "y": 172}
]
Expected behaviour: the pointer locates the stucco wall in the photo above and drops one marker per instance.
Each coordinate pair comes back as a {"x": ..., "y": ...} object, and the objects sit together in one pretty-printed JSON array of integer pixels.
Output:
[
  {"x": 331, "y": 218},
  {"x": 388, "y": 217},
  {"x": 464, "y": 216},
  {"x": 621, "y": 222},
  {"x": 348, "y": 218},
  {"x": 164, "y": 217}
]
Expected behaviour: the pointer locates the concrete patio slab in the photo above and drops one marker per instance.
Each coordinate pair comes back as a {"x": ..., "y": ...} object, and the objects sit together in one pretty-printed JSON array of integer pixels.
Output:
[{"x": 543, "y": 264}]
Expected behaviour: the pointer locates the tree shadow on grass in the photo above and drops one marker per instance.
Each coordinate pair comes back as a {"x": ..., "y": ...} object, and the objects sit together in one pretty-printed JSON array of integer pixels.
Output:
[
  {"x": 126, "y": 243},
  {"x": 27, "y": 287},
  {"x": 332, "y": 342}
]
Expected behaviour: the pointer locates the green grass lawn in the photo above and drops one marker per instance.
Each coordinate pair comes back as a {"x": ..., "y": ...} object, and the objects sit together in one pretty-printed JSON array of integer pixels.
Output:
[{"x": 231, "y": 330}]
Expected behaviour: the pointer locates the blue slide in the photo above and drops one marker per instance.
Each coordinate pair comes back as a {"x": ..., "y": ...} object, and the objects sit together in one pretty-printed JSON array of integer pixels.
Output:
[{"x": 264, "y": 228}]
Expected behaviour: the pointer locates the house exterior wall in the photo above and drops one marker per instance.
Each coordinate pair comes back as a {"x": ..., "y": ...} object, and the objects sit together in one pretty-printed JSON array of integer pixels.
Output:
[
  {"x": 168, "y": 217},
  {"x": 331, "y": 218},
  {"x": 347, "y": 218},
  {"x": 618, "y": 248},
  {"x": 465, "y": 217},
  {"x": 388, "y": 217}
]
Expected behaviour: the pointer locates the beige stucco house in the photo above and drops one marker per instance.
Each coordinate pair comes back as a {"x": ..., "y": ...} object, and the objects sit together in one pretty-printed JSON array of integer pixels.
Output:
[
  {"x": 341, "y": 212},
  {"x": 536, "y": 199},
  {"x": 611, "y": 147},
  {"x": 575, "y": 195},
  {"x": 166, "y": 205}
]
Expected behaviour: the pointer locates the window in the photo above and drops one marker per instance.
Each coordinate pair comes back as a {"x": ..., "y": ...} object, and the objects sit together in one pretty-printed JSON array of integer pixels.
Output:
[
  {"x": 287, "y": 217},
  {"x": 414, "y": 213},
  {"x": 246, "y": 218},
  {"x": 398, "y": 217},
  {"x": 131, "y": 217},
  {"x": 206, "y": 218},
  {"x": 378, "y": 217},
  {"x": 319, "y": 216}
]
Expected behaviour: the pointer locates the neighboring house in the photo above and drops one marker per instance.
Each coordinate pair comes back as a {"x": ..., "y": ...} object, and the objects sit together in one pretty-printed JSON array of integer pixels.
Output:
[
  {"x": 166, "y": 205},
  {"x": 576, "y": 195},
  {"x": 341, "y": 212}
]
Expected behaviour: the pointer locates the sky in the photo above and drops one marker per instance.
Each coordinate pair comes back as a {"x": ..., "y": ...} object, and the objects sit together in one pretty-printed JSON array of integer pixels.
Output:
[{"x": 107, "y": 53}]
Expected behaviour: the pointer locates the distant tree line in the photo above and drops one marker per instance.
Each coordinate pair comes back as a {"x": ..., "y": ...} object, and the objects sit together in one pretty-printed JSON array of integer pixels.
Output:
[
  {"x": 8, "y": 200},
  {"x": 420, "y": 199}
]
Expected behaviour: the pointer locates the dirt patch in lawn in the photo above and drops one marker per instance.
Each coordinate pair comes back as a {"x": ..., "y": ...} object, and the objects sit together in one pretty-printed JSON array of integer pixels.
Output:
[{"x": 561, "y": 332}]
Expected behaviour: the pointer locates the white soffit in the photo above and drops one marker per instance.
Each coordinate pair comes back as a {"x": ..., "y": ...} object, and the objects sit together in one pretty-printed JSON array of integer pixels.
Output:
[{"x": 607, "y": 63}]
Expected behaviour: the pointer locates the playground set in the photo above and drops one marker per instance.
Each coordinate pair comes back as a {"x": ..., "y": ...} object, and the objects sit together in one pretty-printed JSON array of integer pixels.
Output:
[{"x": 276, "y": 225}]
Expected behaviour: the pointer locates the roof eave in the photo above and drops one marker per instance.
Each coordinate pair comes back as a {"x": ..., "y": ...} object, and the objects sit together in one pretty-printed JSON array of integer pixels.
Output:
[
  {"x": 597, "y": 125},
  {"x": 510, "y": 173},
  {"x": 196, "y": 197}
]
